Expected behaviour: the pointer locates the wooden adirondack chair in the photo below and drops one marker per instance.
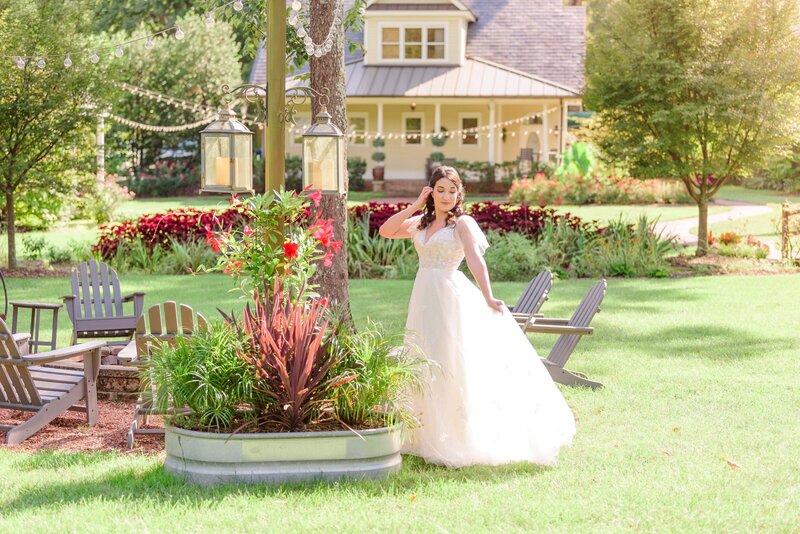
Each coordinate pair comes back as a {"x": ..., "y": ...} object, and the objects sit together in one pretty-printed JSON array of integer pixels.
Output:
[
  {"x": 21, "y": 339},
  {"x": 95, "y": 306},
  {"x": 570, "y": 331},
  {"x": 164, "y": 324},
  {"x": 532, "y": 298},
  {"x": 26, "y": 385}
]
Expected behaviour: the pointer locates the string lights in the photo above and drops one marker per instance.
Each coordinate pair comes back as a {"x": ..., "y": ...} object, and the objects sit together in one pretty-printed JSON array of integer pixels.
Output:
[{"x": 301, "y": 11}]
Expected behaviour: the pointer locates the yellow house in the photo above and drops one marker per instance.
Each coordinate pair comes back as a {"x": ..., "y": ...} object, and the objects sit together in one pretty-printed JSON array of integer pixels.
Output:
[{"x": 496, "y": 77}]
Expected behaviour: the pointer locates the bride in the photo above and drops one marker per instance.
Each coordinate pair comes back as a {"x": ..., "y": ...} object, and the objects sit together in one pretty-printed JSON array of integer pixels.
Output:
[{"x": 488, "y": 398}]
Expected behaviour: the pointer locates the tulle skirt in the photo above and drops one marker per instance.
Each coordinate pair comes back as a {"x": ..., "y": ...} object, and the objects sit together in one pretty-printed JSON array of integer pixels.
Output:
[{"x": 488, "y": 398}]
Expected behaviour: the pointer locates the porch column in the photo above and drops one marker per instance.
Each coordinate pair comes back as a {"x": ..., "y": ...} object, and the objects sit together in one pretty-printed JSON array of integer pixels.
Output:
[
  {"x": 380, "y": 118},
  {"x": 545, "y": 148},
  {"x": 437, "y": 118},
  {"x": 491, "y": 137},
  {"x": 563, "y": 131},
  {"x": 499, "y": 133}
]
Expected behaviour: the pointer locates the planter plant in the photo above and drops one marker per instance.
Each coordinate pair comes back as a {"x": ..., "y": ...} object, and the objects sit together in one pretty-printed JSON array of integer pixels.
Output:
[
  {"x": 378, "y": 157},
  {"x": 283, "y": 391}
]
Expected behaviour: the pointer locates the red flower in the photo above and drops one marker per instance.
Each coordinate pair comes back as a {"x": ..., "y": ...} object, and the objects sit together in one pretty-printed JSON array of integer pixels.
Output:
[
  {"x": 247, "y": 231},
  {"x": 290, "y": 250},
  {"x": 315, "y": 197},
  {"x": 233, "y": 267},
  {"x": 327, "y": 260}
]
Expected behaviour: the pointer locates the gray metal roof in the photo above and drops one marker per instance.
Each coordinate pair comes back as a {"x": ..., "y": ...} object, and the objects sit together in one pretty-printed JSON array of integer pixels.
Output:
[
  {"x": 543, "y": 38},
  {"x": 476, "y": 78},
  {"x": 412, "y": 7}
]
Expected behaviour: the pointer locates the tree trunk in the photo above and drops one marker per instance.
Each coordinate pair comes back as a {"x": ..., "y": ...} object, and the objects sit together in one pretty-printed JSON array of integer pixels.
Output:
[
  {"x": 12, "y": 231},
  {"x": 328, "y": 72},
  {"x": 702, "y": 224}
]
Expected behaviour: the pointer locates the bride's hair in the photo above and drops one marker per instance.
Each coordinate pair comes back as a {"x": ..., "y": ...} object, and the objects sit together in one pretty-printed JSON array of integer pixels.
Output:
[{"x": 429, "y": 212}]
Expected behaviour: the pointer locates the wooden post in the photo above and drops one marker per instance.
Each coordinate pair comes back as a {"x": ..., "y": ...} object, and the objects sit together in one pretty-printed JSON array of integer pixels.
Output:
[{"x": 276, "y": 99}]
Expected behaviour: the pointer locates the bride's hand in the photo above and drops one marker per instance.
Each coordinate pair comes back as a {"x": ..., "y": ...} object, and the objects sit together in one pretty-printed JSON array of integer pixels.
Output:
[
  {"x": 496, "y": 304},
  {"x": 423, "y": 197}
]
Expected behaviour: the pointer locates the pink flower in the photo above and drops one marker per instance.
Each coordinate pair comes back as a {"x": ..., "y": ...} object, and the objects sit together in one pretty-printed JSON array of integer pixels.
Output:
[
  {"x": 327, "y": 260},
  {"x": 247, "y": 231},
  {"x": 315, "y": 196}
]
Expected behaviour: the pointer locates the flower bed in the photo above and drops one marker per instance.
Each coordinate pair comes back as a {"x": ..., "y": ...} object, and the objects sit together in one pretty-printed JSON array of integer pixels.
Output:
[{"x": 541, "y": 190}]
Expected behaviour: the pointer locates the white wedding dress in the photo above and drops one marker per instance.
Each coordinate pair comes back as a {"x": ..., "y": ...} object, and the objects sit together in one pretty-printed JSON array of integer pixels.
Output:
[{"x": 488, "y": 398}]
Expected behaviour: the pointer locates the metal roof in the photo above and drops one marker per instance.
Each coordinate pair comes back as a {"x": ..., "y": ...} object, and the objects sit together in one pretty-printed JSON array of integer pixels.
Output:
[{"x": 476, "y": 78}]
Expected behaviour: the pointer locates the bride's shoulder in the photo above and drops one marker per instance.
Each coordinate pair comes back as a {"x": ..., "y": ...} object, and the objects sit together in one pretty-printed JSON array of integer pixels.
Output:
[{"x": 464, "y": 221}]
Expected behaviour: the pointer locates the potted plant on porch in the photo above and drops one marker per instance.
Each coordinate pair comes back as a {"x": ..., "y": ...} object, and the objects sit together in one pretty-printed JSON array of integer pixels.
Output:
[
  {"x": 378, "y": 157},
  {"x": 286, "y": 391}
]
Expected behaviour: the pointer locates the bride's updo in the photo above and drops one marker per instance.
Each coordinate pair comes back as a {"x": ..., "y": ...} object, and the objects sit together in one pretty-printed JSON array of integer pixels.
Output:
[{"x": 429, "y": 213}]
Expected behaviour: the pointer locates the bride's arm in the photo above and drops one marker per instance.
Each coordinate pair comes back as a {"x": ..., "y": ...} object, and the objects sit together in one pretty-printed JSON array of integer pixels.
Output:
[
  {"x": 397, "y": 226},
  {"x": 477, "y": 265}
]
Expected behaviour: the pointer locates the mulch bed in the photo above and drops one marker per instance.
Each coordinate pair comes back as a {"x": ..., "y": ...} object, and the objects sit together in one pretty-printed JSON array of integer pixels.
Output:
[{"x": 70, "y": 432}]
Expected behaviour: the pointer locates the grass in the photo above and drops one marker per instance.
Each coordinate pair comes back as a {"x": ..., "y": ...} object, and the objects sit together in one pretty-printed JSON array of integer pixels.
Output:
[
  {"x": 699, "y": 372},
  {"x": 753, "y": 196}
]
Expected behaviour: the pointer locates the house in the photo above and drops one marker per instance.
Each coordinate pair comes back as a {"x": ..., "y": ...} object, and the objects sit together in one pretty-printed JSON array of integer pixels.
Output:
[{"x": 497, "y": 77}]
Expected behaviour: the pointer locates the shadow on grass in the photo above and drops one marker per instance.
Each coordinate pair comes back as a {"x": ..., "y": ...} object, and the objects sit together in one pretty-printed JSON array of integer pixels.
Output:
[
  {"x": 157, "y": 485},
  {"x": 712, "y": 342}
]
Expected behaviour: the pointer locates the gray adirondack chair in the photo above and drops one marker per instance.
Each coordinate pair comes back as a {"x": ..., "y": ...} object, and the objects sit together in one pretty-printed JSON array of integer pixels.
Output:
[
  {"x": 165, "y": 323},
  {"x": 95, "y": 306},
  {"x": 530, "y": 301},
  {"x": 25, "y": 384},
  {"x": 570, "y": 331}
]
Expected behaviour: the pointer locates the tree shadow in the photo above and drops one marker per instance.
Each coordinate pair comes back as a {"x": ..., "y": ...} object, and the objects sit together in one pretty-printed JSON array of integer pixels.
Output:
[{"x": 131, "y": 485}]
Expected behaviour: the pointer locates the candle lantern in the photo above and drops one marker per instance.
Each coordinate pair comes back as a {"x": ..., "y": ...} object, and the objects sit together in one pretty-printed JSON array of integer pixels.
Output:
[
  {"x": 323, "y": 155},
  {"x": 226, "y": 154}
]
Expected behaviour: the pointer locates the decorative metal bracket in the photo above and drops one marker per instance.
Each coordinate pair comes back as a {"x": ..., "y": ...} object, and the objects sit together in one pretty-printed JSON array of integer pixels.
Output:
[{"x": 257, "y": 94}]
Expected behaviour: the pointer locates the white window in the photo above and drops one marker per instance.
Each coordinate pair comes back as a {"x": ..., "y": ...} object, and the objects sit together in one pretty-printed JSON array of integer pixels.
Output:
[
  {"x": 470, "y": 124},
  {"x": 357, "y": 128},
  {"x": 413, "y": 126},
  {"x": 302, "y": 122},
  {"x": 413, "y": 43}
]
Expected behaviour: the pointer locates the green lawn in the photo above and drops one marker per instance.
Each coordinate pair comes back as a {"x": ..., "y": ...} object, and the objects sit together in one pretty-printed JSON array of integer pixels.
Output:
[
  {"x": 698, "y": 372},
  {"x": 632, "y": 213},
  {"x": 754, "y": 196}
]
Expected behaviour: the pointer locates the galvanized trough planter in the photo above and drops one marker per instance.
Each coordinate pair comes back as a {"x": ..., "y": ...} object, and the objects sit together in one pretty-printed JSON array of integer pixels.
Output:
[{"x": 209, "y": 458}]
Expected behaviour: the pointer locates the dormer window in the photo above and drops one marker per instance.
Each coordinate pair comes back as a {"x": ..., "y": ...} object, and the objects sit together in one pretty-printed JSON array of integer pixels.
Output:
[{"x": 413, "y": 42}]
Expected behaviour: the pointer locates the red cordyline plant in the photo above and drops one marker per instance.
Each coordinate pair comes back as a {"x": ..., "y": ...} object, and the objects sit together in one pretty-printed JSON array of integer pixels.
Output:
[{"x": 291, "y": 356}]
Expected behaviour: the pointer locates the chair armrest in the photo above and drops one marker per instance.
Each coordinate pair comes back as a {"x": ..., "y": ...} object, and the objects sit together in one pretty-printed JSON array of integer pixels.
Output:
[
  {"x": 132, "y": 296},
  {"x": 69, "y": 304},
  {"x": 65, "y": 353},
  {"x": 558, "y": 329},
  {"x": 549, "y": 321},
  {"x": 138, "y": 302}
]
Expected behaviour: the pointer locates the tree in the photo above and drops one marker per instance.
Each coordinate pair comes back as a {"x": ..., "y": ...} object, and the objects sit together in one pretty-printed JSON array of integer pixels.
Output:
[
  {"x": 327, "y": 72},
  {"x": 47, "y": 114},
  {"x": 697, "y": 89},
  {"x": 192, "y": 70}
]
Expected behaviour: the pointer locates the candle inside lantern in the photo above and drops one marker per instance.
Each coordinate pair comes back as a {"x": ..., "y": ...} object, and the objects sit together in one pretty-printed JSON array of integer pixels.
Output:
[
  {"x": 321, "y": 171},
  {"x": 223, "y": 171}
]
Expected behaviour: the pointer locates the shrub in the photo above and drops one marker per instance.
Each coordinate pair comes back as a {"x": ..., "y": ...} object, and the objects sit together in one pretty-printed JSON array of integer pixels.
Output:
[
  {"x": 729, "y": 238},
  {"x": 356, "y": 168},
  {"x": 513, "y": 257},
  {"x": 576, "y": 189},
  {"x": 164, "y": 178},
  {"x": 293, "y": 173},
  {"x": 372, "y": 256}
]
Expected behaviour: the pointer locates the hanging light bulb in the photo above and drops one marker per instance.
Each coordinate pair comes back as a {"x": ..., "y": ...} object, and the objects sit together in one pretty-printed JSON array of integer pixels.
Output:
[
  {"x": 318, "y": 52},
  {"x": 307, "y": 41},
  {"x": 20, "y": 62},
  {"x": 209, "y": 19},
  {"x": 67, "y": 62},
  {"x": 296, "y": 5},
  {"x": 119, "y": 51},
  {"x": 301, "y": 32},
  {"x": 179, "y": 35},
  {"x": 40, "y": 63},
  {"x": 149, "y": 43},
  {"x": 238, "y": 5},
  {"x": 94, "y": 57}
]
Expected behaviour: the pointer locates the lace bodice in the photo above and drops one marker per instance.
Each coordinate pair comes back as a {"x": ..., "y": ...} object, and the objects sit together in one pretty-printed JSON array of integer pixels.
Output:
[{"x": 444, "y": 249}]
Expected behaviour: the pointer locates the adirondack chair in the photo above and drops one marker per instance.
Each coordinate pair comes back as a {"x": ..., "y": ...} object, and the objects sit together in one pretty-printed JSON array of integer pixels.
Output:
[
  {"x": 95, "y": 306},
  {"x": 570, "y": 331},
  {"x": 26, "y": 385},
  {"x": 164, "y": 324},
  {"x": 20, "y": 338},
  {"x": 530, "y": 301}
]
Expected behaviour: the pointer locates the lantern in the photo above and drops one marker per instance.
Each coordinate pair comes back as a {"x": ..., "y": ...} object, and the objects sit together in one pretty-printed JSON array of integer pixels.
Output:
[
  {"x": 226, "y": 154},
  {"x": 323, "y": 155}
]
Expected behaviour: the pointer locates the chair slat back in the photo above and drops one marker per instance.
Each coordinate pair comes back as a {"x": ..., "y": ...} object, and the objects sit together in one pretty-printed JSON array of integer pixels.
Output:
[
  {"x": 535, "y": 294},
  {"x": 165, "y": 322},
  {"x": 585, "y": 312},
  {"x": 16, "y": 384},
  {"x": 96, "y": 286}
]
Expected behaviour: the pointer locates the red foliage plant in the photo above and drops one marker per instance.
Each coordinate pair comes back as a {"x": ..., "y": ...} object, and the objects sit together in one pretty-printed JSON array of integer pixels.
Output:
[{"x": 290, "y": 353}]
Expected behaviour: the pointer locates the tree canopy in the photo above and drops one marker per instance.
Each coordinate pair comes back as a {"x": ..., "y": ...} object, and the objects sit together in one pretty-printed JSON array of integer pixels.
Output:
[{"x": 702, "y": 90}]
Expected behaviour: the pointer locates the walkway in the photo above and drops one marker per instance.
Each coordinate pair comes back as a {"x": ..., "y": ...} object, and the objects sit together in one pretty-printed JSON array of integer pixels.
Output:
[{"x": 739, "y": 210}]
